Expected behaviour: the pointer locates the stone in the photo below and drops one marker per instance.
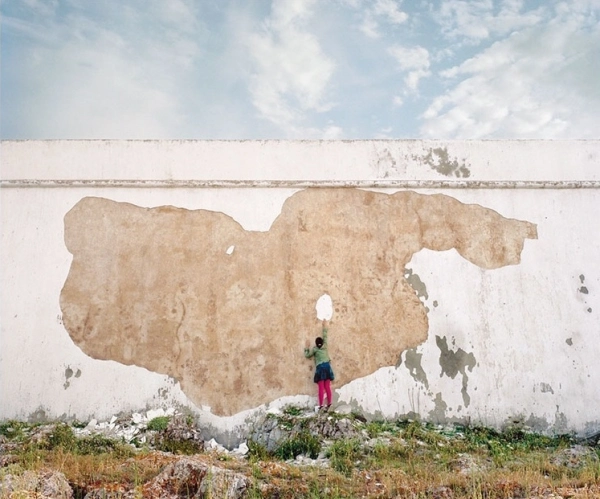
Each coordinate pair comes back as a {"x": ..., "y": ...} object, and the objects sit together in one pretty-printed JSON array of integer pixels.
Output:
[
  {"x": 574, "y": 457},
  {"x": 195, "y": 479},
  {"x": 43, "y": 484}
]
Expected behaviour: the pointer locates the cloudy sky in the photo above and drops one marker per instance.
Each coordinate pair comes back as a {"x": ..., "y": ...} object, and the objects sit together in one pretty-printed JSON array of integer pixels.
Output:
[{"x": 300, "y": 69}]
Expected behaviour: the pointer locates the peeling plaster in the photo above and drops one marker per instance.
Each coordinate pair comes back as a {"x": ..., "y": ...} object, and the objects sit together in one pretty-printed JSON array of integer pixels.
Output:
[
  {"x": 69, "y": 374},
  {"x": 416, "y": 283},
  {"x": 456, "y": 362},
  {"x": 385, "y": 164},
  {"x": 537, "y": 424},
  {"x": 561, "y": 423},
  {"x": 439, "y": 160},
  {"x": 438, "y": 413},
  {"x": 154, "y": 287},
  {"x": 413, "y": 364}
]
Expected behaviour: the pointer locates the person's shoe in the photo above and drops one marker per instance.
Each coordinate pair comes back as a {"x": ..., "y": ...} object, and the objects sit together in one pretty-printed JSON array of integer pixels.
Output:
[{"x": 328, "y": 408}]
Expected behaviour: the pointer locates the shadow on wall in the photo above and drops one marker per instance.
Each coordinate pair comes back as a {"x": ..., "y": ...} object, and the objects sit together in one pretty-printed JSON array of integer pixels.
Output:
[{"x": 226, "y": 311}]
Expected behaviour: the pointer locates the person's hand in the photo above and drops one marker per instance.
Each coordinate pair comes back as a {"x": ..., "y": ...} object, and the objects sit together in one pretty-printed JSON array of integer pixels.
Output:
[
  {"x": 324, "y": 322},
  {"x": 307, "y": 344}
]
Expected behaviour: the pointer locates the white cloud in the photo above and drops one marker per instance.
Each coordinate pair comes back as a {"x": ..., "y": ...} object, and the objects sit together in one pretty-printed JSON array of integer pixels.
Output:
[
  {"x": 538, "y": 83},
  {"x": 385, "y": 11},
  {"x": 291, "y": 73},
  {"x": 412, "y": 60},
  {"x": 100, "y": 73},
  {"x": 397, "y": 101},
  {"x": 389, "y": 10},
  {"x": 476, "y": 20}
]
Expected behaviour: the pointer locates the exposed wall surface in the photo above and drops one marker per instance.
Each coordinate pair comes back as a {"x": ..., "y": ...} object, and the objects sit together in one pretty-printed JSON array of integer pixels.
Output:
[{"x": 464, "y": 278}]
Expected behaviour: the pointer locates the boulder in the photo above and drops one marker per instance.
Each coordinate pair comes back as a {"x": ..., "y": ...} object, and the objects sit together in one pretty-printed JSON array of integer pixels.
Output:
[
  {"x": 41, "y": 484},
  {"x": 190, "y": 477}
]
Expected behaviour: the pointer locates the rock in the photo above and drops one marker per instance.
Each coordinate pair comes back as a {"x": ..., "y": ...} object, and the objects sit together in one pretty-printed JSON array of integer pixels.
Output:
[
  {"x": 224, "y": 483},
  {"x": 43, "y": 484},
  {"x": 441, "y": 492},
  {"x": 180, "y": 437},
  {"x": 6, "y": 459},
  {"x": 241, "y": 450},
  {"x": 343, "y": 409},
  {"x": 190, "y": 477},
  {"x": 273, "y": 430},
  {"x": 213, "y": 445},
  {"x": 466, "y": 464},
  {"x": 574, "y": 457}
]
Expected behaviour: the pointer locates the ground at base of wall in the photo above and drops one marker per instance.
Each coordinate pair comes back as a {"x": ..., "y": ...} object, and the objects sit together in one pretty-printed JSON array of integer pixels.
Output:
[{"x": 298, "y": 454}]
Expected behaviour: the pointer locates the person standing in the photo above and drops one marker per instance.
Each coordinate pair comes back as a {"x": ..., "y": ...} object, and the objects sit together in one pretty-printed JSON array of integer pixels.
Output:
[{"x": 323, "y": 372}]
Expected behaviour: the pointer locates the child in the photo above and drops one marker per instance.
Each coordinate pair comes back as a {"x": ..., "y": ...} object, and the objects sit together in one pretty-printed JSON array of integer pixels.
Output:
[{"x": 323, "y": 372}]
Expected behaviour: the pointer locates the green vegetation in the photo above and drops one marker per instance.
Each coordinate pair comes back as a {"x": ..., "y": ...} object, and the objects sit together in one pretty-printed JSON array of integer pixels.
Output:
[
  {"x": 303, "y": 443},
  {"x": 293, "y": 410},
  {"x": 344, "y": 455},
  {"x": 159, "y": 423},
  {"x": 382, "y": 459}
]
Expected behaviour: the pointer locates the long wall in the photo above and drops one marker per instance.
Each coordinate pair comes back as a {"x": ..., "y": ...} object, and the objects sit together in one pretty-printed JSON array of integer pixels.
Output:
[{"x": 463, "y": 279}]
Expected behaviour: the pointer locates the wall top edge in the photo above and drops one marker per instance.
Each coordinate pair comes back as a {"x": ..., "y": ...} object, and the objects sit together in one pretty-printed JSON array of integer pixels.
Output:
[
  {"x": 302, "y": 184},
  {"x": 216, "y": 160},
  {"x": 298, "y": 141}
]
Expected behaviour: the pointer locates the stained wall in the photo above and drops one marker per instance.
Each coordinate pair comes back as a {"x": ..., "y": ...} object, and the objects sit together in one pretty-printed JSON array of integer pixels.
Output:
[{"x": 463, "y": 277}]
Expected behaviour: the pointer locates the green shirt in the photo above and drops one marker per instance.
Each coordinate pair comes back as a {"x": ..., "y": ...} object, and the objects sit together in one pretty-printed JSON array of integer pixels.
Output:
[{"x": 320, "y": 354}]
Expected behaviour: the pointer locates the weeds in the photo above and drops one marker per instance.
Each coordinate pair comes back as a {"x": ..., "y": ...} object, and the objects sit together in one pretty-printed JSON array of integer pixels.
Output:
[
  {"x": 343, "y": 455},
  {"x": 303, "y": 443},
  {"x": 159, "y": 423},
  {"x": 292, "y": 410},
  {"x": 385, "y": 459},
  {"x": 257, "y": 452}
]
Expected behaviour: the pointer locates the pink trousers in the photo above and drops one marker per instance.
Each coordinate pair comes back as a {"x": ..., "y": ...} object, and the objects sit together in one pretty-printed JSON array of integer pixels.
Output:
[{"x": 324, "y": 388}]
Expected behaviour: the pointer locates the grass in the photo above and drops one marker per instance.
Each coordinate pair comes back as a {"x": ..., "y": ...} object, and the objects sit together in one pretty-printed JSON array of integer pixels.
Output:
[
  {"x": 158, "y": 423},
  {"x": 389, "y": 459}
]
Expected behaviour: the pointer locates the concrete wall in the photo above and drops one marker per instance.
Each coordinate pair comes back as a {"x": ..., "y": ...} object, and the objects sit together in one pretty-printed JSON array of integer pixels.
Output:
[{"x": 464, "y": 278}]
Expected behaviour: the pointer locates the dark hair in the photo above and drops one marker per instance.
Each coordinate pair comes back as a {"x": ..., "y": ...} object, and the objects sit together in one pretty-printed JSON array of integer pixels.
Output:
[{"x": 319, "y": 342}]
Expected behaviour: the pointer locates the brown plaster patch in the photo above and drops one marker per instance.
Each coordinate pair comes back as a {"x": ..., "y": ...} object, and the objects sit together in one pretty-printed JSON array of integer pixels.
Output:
[{"x": 158, "y": 288}]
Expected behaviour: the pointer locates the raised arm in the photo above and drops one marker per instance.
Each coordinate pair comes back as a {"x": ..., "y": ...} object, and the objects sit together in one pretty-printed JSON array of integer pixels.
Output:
[{"x": 324, "y": 332}]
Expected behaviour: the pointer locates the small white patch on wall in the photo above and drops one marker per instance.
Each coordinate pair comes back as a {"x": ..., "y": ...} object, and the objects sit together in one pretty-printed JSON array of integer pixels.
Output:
[
  {"x": 324, "y": 308},
  {"x": 230, "y": 250}
]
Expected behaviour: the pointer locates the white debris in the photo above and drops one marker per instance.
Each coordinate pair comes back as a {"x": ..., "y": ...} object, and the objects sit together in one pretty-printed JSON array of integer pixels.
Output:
[
  {"x": 137, "y": 418},
  {"x": 155, "y": 413},
  {"x": 213, "y": 445},
  {"x": 241, "y": 450},
  {"x": 92, "y": 425}
]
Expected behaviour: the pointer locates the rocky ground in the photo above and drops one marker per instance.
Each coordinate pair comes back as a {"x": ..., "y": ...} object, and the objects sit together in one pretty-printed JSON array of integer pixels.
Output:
[{"x": 288, "y": 453}]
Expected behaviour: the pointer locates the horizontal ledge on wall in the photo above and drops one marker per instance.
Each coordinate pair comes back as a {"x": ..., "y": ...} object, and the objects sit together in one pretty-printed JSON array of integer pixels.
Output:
[{"x": 303, "y": 184}]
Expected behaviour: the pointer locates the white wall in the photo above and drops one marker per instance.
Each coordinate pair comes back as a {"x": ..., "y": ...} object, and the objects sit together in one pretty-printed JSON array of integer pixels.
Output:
[{"x": 534, "y": 335}]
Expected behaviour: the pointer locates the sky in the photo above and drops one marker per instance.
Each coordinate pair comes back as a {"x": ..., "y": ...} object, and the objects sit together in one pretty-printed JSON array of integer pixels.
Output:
[{"x": 299, "y": 69}]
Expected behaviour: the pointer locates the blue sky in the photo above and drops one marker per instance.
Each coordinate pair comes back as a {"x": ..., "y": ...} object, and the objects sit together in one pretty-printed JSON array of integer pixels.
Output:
[{"x": 299, "y": 69}]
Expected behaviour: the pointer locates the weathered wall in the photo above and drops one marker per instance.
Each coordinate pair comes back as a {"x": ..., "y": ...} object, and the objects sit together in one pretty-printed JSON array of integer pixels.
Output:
[{"x": 463, "y": 275}]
